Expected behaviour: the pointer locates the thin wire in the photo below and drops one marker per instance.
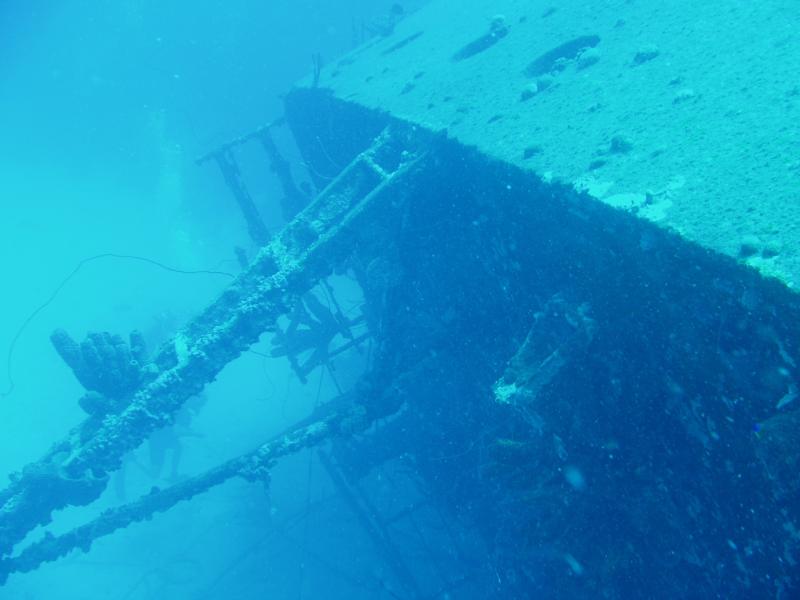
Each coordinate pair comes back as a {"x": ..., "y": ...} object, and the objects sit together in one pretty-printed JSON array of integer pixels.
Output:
[
  {"x": 327, "y": 155},
  {"x": 12, "y": 346},
  {"x": 317, "y": 173}
]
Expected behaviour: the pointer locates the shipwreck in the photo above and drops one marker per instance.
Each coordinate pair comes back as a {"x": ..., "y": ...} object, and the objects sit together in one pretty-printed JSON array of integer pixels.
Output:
[{"x": 575, "y": 232}]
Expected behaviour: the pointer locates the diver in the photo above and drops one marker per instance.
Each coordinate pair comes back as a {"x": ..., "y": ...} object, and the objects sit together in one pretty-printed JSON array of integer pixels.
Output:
[
  {"x": 161, "y": 443},
  {"x": 166, "y": 441}
]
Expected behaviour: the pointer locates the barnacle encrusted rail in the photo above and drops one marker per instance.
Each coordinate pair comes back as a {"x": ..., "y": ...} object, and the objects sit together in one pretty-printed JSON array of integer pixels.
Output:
[{"x": 75, "y": 470}]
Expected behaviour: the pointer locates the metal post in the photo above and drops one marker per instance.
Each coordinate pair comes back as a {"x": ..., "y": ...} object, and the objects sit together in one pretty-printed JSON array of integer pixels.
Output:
[{"x": 233, "y": 178}]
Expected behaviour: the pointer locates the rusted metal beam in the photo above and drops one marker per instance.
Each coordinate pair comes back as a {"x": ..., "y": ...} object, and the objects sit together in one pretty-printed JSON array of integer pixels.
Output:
[
  {"x": 233, "y": 178},
  {"x": 294, "y": 199}
]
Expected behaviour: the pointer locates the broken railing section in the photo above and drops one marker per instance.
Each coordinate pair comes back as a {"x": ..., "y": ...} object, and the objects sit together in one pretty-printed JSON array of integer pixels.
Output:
[
  {"x": 294, "y": 199},
  {"x": 313, "y": 328},
  {"x": 75, "y": 470},
  {"x": 350, "y": 413},
  {"x": 233, "y": 179}
]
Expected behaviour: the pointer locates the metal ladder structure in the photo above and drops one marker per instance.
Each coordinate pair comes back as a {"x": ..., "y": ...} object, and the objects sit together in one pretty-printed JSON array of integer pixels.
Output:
[{"x": 294, "y": 199}]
